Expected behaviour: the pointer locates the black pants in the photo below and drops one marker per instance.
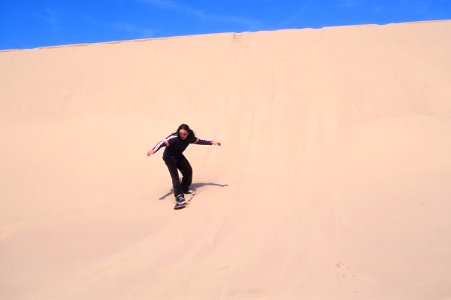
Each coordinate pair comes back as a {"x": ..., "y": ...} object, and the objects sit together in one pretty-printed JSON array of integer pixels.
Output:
[{"x": 182, "y": 164}]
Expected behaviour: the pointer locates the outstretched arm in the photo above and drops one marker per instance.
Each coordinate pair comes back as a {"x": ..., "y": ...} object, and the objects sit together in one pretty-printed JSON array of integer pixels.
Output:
[
  {"x": 158, "y": 146},
  {"x": 204, "y": 142}
]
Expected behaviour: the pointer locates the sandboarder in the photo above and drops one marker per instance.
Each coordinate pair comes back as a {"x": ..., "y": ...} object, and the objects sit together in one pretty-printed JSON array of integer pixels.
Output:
[{"x": 174, "y": 159}]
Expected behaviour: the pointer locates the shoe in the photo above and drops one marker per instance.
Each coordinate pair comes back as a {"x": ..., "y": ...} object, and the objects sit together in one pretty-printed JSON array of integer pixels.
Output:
[
  {"x": 179, "y": 205},
  {"x": 180, "y": 199},
  {"x": 189, "y": 192},
  {"x": 180, "y": 202}
]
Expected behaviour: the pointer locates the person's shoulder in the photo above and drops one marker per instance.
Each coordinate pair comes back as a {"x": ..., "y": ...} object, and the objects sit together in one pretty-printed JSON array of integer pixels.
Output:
[
  {"x": 171, "y": 138},
  {"x": 193, "y": 139}
]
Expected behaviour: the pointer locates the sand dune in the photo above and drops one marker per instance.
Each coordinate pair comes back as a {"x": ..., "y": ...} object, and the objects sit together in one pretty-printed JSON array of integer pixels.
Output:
[{"x": 333, "y": 181}]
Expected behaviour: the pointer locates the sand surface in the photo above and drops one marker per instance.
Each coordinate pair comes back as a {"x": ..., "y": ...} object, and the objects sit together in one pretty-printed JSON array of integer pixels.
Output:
[{"x": 333, "y": 180}]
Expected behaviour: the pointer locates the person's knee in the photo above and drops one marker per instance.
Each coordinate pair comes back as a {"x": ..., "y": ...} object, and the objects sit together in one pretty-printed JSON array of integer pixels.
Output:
[{"x": 187, "y": 170}]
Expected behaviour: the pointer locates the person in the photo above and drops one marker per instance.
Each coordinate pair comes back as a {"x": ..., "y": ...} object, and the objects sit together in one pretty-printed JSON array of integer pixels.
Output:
[{"x": 174, "y": 159}]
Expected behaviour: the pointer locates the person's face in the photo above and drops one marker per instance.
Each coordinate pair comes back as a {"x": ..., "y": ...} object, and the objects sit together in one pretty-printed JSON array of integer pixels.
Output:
[{"x": 183, "y": 134}]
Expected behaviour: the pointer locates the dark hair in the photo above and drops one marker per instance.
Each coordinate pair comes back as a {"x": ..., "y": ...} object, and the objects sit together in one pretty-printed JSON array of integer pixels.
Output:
[{"x": 184, "y": 127}]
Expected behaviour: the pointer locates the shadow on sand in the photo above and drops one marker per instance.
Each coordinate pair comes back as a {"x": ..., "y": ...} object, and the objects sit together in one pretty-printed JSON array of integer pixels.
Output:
[{"x": 196, "y": 186}]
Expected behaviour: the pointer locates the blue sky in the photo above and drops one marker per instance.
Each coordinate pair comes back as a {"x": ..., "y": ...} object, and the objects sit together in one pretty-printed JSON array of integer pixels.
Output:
[{"x": 31, "y": 24}]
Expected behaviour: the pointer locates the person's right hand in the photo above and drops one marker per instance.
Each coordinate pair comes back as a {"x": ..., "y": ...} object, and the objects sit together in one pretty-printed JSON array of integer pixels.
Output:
[{"x": 150, "y": 152}]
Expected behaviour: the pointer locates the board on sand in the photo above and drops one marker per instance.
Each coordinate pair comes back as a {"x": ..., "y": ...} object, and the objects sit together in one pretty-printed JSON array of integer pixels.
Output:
[{"x": 187, "y": 201}]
